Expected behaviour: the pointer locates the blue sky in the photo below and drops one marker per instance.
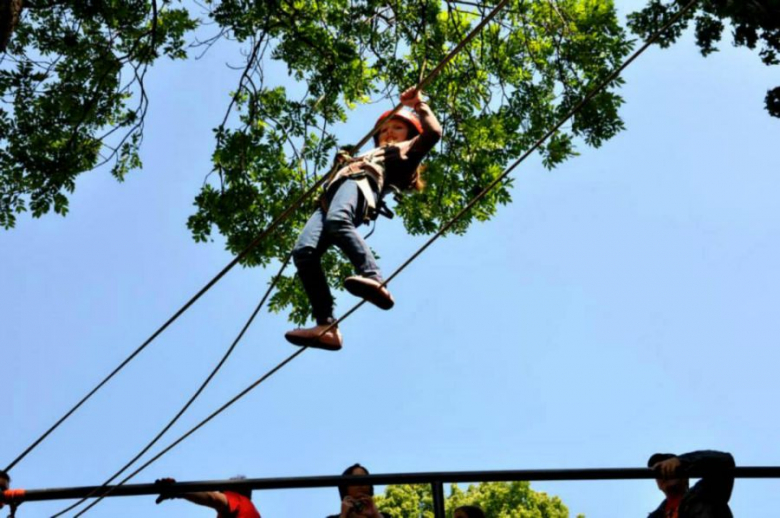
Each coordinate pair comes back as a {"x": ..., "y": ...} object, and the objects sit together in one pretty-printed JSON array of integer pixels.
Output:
[{"x": 625, "y": 303}]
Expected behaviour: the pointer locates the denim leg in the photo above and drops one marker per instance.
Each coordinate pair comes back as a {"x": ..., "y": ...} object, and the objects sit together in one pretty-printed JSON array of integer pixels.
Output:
[
  {"x": 307, "y": 255},
  {"x": 347, "y": 207}
]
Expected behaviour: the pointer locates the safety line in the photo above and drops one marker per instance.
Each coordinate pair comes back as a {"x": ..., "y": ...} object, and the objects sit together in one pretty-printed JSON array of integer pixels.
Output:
[
  {"x": 448, "y": 225},
  {"x": 274, "y": 224},
  {"x": 196, "y": 428},
  {"x": 194, "y": 396}
]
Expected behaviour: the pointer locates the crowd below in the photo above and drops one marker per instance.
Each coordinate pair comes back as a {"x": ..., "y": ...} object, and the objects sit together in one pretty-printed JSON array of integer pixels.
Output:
[{"x": 708, "y": 498}]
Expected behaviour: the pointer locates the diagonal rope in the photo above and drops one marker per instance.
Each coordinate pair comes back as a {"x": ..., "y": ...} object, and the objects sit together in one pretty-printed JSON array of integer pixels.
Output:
[
  {"x": 194, "y": 396},
  {"x": 444, "y": 228},
  {"x": 196, "y": 428},
  {"x": 271, "y": 227}
]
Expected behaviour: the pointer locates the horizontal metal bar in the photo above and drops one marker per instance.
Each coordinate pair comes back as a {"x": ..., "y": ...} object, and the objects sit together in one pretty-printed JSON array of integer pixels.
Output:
[{"x": 387, "y": 479}]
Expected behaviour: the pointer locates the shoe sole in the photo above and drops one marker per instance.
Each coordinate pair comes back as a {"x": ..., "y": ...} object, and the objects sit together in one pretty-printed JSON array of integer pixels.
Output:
[
  {"x": 369, "y": 293},
  {"x": 311, "y": 342}
]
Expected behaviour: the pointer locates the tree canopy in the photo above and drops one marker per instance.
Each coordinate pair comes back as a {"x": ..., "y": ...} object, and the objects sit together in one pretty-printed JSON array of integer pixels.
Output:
[
  {"x": 497, "y": 499},
  {"x": 524, "y": 71},
  {"x": 72, "y": 92},
  {"x": 74, "y": 98},
  {"x": 754, "y": 23}
]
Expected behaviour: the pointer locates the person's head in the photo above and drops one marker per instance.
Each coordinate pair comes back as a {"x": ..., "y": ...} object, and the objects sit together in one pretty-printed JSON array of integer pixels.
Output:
[
  {"x": 5, "y": 483},
  {"x": 468, "y": 511},
  {"x": 669, "y": 486},
  {"x": 352, "y": 490},
  {"x": 243, "y": 491},
  {"x": 404, "y": 125}
]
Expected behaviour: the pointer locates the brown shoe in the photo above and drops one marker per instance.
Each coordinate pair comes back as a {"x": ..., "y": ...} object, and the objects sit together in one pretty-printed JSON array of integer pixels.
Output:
[
  {"x": 369, "y": 289},
  {"x": 317, "y": 337}
]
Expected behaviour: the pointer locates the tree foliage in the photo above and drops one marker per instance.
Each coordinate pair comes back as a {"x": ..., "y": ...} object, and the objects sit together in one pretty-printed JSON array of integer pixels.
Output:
[
  {"x": 73, "y": 97},
  {"x": 525, "y": 70},
  {"x": 754, "y": 24},
  {"x": 72, "y": 93},
  {"x": 497, "y": 499}
]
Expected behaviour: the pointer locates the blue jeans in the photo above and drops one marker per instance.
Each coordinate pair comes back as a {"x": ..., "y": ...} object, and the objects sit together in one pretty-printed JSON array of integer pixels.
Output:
[{"x": 336, "y": 227}]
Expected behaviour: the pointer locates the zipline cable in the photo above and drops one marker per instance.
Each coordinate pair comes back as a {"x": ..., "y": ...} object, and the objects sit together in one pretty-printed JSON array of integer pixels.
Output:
[
  {"x": 444, "y": 228},
  {"x": 271, "y": 227},
  {"x": 194, "y": 396},
  {"x": 196, "y": 428}
]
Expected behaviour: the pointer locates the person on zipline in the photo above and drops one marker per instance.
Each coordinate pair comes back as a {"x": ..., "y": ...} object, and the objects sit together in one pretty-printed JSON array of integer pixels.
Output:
[{"x": 351, "y": 198}]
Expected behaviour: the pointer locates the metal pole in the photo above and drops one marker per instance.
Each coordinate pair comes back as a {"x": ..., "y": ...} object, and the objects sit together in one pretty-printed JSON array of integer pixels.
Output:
[
  {"x": 379, "y": 480},
  {"x": 438, "y": 499}
]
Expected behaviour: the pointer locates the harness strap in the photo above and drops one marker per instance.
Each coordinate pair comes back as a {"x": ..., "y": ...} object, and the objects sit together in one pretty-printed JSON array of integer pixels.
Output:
[
  {"x": 367, "y": 175},
  {"x": 364, "y": 182},
  {"x": 368, "y": 193}
]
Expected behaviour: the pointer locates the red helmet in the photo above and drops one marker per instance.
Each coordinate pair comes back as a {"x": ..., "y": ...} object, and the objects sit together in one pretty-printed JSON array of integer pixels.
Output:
[{"x": 405, "y": 115}]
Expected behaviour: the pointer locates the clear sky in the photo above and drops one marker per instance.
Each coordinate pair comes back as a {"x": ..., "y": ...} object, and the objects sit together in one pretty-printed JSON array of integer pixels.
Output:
[{"x": 625, "y": 303}]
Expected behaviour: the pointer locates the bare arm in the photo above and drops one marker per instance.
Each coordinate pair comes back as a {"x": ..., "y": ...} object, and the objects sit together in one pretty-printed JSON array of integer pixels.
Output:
[
  {"x": 431, "y": 129},
  {"x": 214, "y": 499}
]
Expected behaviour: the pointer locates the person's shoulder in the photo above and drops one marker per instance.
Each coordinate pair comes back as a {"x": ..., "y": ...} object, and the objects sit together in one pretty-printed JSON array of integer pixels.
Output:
[
  {"x": 237, "y": 501},
  {"x": 659, "y": 511}
]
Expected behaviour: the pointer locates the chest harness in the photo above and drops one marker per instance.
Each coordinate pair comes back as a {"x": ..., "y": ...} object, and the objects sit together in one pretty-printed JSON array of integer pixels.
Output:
[{"x": 368, "y": 172}]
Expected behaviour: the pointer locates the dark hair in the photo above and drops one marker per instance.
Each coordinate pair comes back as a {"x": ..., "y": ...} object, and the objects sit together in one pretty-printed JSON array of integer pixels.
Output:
[
  {"x": 351, "y": 471},
  {"x": 5, "y": 475},
  {"x": 472, "y": 511}
]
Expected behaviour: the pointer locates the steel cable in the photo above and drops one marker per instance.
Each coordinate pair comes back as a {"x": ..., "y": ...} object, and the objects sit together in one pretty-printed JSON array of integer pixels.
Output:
[{"x": 194, "y": 396}]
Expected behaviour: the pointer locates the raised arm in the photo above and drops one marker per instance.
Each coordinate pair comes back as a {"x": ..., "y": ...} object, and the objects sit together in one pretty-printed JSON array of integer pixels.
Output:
[
  {"x": 717, "y": 481},
  {"x": 431, "y": 133},
  {"x": 213, "y": 499}
]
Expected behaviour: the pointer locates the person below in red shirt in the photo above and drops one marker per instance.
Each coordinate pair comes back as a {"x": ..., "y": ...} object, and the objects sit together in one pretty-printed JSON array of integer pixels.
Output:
[
  {"x": 5, "y": 483},
  {"x": 236, "y": 503}
]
